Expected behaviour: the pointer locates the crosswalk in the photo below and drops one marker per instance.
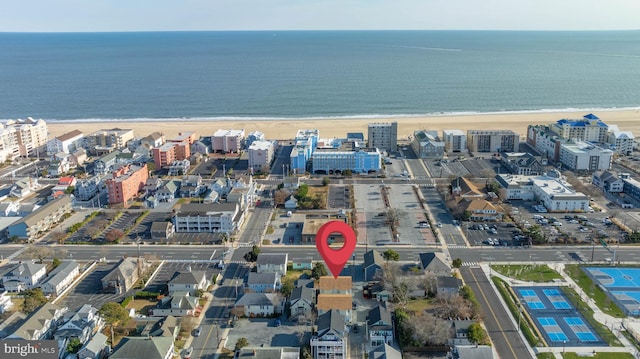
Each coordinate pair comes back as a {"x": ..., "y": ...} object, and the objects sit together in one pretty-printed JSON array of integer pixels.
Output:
[
  {"x": 470, "y": 264},
  {"x": 454, "y": 246}
]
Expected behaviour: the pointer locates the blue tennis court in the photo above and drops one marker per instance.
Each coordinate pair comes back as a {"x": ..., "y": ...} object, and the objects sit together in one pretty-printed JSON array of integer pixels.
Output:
[
  {"x": 531, "y": 298},
  {"x": 556, "y": 299},
  {"x": 622, "y": 285},
  {"x": 580, "y": 329},
  {"x": 553, "y": 330}
]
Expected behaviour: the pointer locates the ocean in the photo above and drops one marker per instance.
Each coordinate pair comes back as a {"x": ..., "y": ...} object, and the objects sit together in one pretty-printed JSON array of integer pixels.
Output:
[{"x": 313, "y": 74}]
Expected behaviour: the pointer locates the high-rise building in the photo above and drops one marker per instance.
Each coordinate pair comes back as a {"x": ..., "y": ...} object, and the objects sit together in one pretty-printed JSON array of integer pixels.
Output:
[{"x": 383, "y": 136}]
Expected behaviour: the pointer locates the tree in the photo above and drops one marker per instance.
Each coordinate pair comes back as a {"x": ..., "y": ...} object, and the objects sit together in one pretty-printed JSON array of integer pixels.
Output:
[
  {"x": 69, "y": 190},
  {"x": 318, "y": 270},
  {"x": 55, "y": 262},
  {"x": 493, "y": 186},
  {"x": 428, "y": 329},
  {"x": 241, "y": 343},
  {"x": 325, "y": 181},
  {"x": 391, "y": 255},
  {"x": 457, "y": 263},
  {"x": 114, "y": 235},
  {"x": 287, "y": 287},
  {"x": 347, "y": 173},
  {"x": 33, "y": 299},
  {"x": 58, "y": 236},
  {"x": 113, "y": 313},
  {"x": 477, "y": 334},
  {"x": 303, "y": 191},
  {"x": 188, "y": 323},
  {"x": 252, "y": 256},
  {"x": 39, "y": 252},
  {"x": 74, "y": 345}
]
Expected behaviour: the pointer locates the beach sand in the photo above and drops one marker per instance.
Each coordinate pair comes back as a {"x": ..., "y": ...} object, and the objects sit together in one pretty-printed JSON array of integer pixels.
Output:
[{"x": 627, "y": 120}]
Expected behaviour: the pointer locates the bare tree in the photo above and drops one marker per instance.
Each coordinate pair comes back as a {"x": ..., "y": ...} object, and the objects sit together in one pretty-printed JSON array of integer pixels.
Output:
[
  {"x": 453, "y": 306},
  {"x": 38, "y": 252},
  {"x": 430, "y": 283},
  {"x": 188, "y": 323},
  {"x": 113, "y": 235},
  {"x": 428, "y": 329},
  {"x": 58, "y": 236}
]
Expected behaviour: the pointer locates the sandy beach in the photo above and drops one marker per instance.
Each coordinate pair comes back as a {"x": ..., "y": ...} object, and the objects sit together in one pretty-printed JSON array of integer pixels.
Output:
[{"x": 627, "y": 120}]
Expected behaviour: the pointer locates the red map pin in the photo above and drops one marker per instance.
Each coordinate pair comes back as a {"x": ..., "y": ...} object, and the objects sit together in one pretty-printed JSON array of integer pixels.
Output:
[{"x": 335, "y": 258}]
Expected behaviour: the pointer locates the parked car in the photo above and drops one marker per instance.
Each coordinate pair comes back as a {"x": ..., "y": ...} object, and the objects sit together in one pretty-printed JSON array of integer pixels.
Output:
[{"x": 197, "y": 332}]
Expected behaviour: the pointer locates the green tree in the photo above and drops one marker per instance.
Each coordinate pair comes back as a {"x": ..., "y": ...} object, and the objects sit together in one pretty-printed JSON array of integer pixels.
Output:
[
  {"x": 55, "y": 262},
  {"x": 241, "y": 343},
  {"x": 325, "y": 181},
  {"x": 69, "y": 190},
  {"x": 457, "y": 263},
  {"x": 347, "y": 173},
  {"x": 391, "y": 255},
  {"x": 252, "y": 256},
  {"x": 151, "y": 166},
  {"x": 113, "y": 313},
  {"x": 303, "y": 191},
  {"x": 74, "y": 345},
  {"x": 319, "y": 270},
  {"x": 476, "y": 334},
  {"x": 493, "y": 186},
  {"x": 33, "y": 299},
  {"x": 287, "y": 287}
]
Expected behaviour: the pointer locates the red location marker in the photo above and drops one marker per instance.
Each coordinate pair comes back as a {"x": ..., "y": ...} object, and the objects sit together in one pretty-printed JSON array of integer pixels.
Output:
[{"x": 335, "y": 258}]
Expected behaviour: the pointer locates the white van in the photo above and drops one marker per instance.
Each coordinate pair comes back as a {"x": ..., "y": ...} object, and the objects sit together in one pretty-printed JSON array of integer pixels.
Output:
[{"x": 537, "y": 216}]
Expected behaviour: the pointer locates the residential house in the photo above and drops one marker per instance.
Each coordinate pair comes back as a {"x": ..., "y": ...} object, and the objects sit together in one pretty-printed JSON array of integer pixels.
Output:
[
  {"x": 426, "y": 144},
  {"x": 608, "y": 181},
  {"x": 5, "y": 301},
  {"x": 144, "y": 347},
  {"x": 385, "y": 351},
  {"x": 40, "y": 324},
  {"x": 179, "y": 167},
  {"x": 81, "y": 325},
  {"x": 122, "y": 278},
  {"x": 106, "y": 163},
  {"x": 471, "y": 352},
  {"x": 435, "y": 262},
  {"x": 88, "y": 188},
  {"x": 161, "y": 231},
  {"x": 335, "y": 294},
  {"x": 169, "y": 191},
  {"x": 302, "y": 263},
  {"x": 254, "y": 136},
  {"x": 40, "y": 221},
  {"x": 153, "y": 140},
  {"x": 59, "y": 165},
  {"x": 272, "y": 262},
  {"x": 291, "y": 203},
  {"x": 373, "y": 262},
  {"x": 460, "y": 329},
  {"x": 192, "y": 186},
  {"x": 23, "y": 276},
  {"x": 179, "y": 304},
  {"x": 258, "y": 305},
  {"x": 522, "y": 163},
  {"x": 267, "y": 282},
  {"x": 447, "y": 285},
  {"x": 379, "y": 326},
  {"x": 152, "y": 185},
  {"x": 331, "y": 339},
  {"x": 202, "y": 146},
  {"x": 268, "y": 353},
  {"x": 167, "y": 327},
  {"x": 24, "y": 187},
  {"x": 60, "y": 278},
  {"x": 78, "y": 157},
  {"x": 208, "y": 218},
  {"x": 95, "y": 348},
  {"x": 189, "y": 282},
  {"x": 301, "y": 301},
  {"x": 9, "y": 209}
]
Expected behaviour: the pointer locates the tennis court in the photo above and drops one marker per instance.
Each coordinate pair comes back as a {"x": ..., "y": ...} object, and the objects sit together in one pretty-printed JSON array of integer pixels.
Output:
[
  {"x": 557, "y": 319},
  {"x": 622, "y": 286},
  {"x": 531, "y": 298}
]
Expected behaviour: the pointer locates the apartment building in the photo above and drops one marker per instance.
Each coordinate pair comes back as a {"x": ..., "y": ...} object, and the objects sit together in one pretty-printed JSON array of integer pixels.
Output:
[
  {"x": 383, "y": 136},
  {"x": 227, "y": 141},
  {"x": 306, "y": 142},
  {"x": 454, "y": 140},
  {"x": 67, "y": 143},
  {"x": 426, "y": 144},
  {"x": 40, "y": 221},
  {"x": 125, "y": 184},
  {"x": 358, "y": 160},
  {"x": 621, "y": 142},
  {"x": 589, "y": 128},
  {"x": 493, "y": 141},
  {"x": 23, "y": 137},
  {"x": 209, "y": 217},
  {"x": 260, "y": 155},
  {"x": 545, "y": 141},
  {"x": 61, "y": 278},
  {"x": 107, "y": 140},
  {"x": 164, "y": 155},
  {"x": 331, "y": 338},
  {"x": 583, "y": 156}
]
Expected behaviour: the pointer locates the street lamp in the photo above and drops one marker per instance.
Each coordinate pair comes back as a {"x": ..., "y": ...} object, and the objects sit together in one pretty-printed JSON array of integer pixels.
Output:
[{"x": 564, "y": 343}]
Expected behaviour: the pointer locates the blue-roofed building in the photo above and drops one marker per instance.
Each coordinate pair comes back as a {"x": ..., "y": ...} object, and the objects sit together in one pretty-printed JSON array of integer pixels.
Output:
[{"x": 588, "y": 128}]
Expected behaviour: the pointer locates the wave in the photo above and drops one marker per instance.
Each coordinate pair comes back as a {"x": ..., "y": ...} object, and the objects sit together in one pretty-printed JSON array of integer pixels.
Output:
[{"x": 333, "y": 117}]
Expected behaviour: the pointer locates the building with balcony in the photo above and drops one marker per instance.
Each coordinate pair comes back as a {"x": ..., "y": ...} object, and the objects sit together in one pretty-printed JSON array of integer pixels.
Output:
[
  {"x": 227, "y": 141},
  {"x": 108, "y": 140},
  {"x": 67, "y": 143},
  {"x": 426, "y": 144},
  {"x": 454, "y": 140},
  {"x": 305, "y": 145},
  {"x": 621, "y": 142},
  {"x": 29, "y": 135},
  {"x": 23, "y": 276},
  {"x": 40, "y": 324},
  {"x": 383, "y": 136},
  {"x": 544, "y": 141},
  {"x": 584, "y": 156},
  {"x": 493, "y": 141},
  {"x": 261, "y": 155},
  {"x": 60, "y": 278},
  {"x": 40, "y": 221},
  {"x": 379, "y": 326},
  {"x": 208, "y": 218},
  {"x": 125, "y": 184},
  {"x": 522, "y": 163},
  {"x": 357, "y": 160},
  {"x": 608, "y": 181},
  {"x": 589, "y": 128},
  {"x": 331, "y": 339}
]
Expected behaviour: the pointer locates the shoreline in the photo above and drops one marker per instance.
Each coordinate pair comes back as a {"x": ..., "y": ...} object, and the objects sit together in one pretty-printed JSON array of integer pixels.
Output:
[{"x": 627, "y": 119}]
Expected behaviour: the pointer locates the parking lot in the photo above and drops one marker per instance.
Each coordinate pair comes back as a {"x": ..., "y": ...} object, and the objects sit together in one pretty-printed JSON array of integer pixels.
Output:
[
  {"x": 143, "y": 229},
  {"x": 338, "y": 197},
  {"x": 89, "y": 290}
]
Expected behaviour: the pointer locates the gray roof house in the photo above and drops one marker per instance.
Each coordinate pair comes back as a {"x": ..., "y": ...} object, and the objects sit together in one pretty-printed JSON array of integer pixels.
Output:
[
  {"x": 258, "y": 305},
  {"x": 81, "y": 324},
  {"x": 180, "y": 304},
  {"x": 95, "y": 348},
  {"x": 40, "y": 324},
  {"x": 448, "y": 285},
  {"x": 61, "y": 278},
  {"x": 268, "y": 353},
  {"x": 272, "y": 262},
  {"x": 379, "y": 326},
  {"x": 123, "y": 276},
  {"x": 144, "y": 347},
  {"x": 302, "y": 300},
  {"x": 331, "y": 337},
  {"x": 41, "y": 220},
  {"x": 385, "y": 351},
  {"x": 373, "y": 262},
  {"x": 169, "y": 191},
  {"x": 435, "y": 263},
  {"x": 472, "y": 352},
  {"x": 188, "y": 282},
  {"x": 22, "y": 276},
  {"x": 263, "y": 282}
]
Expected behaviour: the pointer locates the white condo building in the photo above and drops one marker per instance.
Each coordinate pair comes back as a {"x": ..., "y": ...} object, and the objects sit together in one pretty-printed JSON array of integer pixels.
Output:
[
  {"x": 260, "y": 155},
  {"x": 208, "y": 217},
  {"x": 583, "y": 156},
  {"x": 67, "y": 143},
  {"x": 23, "y": 138},
  {"x": 454, "y": 140},
  {"x": 493, "y": 141},
  {"x": 227, "y": 141}
]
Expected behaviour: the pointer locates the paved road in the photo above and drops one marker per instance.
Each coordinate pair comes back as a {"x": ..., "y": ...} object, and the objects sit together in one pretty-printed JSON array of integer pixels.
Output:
[{"x": 500, "y": 327}]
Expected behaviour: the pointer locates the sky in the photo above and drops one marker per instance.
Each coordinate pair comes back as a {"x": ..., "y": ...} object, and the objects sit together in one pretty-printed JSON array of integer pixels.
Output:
[{"x": 185, "y": 15}]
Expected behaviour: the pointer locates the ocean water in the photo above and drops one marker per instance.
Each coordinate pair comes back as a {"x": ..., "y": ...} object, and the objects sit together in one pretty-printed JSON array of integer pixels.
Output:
[{"x": 254, "y": 75}]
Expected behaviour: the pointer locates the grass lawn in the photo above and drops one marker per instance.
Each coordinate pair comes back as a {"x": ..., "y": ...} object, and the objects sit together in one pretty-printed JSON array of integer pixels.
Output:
[
  {"x": 534, "y": 273},
  {"x": 141, "y": 306},
  {"x": 545, "y": 356},
  {"x": 592, "y": 290},
  {"x": 418, "y": 306},
  {"x": 599, "y": 356}
]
